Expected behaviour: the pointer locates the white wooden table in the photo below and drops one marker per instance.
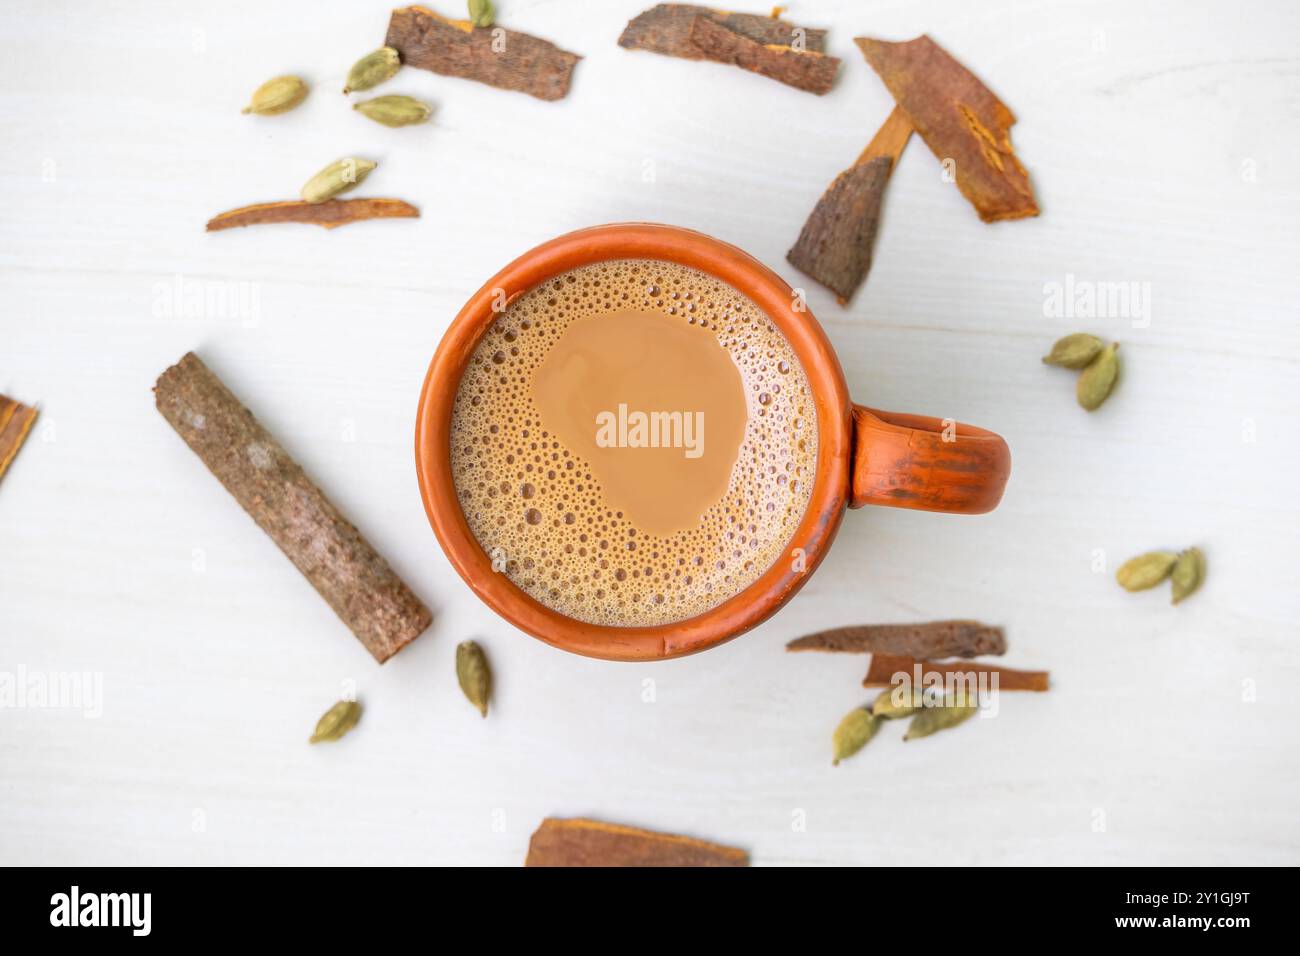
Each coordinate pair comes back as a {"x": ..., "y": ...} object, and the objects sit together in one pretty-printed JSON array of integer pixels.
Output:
[{"x": 1161, "y": 138}]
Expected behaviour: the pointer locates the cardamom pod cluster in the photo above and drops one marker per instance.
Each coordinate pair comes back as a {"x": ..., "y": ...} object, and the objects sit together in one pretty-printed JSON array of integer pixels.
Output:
[
  {"x": 473, "y": 674},
  {"x": 276, "y": 96},
  {"x": 1099, "y": 364},
  {"x": 1186, "y": 571},
  {"x": 930, "y": 714},
  {"x": 482, "y": 13},
  {"x": 336, "y": 721},
  {"x": 373, "y": 69},
  {"x": 338, "y": 177},
  {"x": 394, "y": 110}
]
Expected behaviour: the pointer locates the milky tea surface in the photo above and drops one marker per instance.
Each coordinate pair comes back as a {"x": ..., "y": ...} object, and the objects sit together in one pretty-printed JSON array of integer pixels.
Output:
[{"x": 560, "y": 485}]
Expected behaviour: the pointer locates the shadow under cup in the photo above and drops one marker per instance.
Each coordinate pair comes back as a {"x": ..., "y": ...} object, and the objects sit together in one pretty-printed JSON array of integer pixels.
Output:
[{"x": 830, "y": 480}]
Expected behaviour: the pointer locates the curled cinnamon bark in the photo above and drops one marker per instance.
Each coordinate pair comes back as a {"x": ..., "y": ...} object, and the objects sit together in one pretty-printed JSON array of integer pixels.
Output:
[
  {"x": 330, "y": 214},
  {"x": 961, "y": 121},
  {"x": 581, "y": 842},
  {"x": 766, "y": 45},
  {"x": 494, "y": 55},
  {"x": 666, "y": 28},
  {"x": 804, "y": 70},
  {"x": 836, "y": 243},
  {"x": 885, "y": 666},
  {"x": 341, "y": 565},
  {"x": 922, "y": 641},
  {"x": 16, "y": 420}
]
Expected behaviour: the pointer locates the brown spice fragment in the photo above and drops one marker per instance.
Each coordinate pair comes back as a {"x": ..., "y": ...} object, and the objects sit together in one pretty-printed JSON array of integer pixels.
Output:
[
  {"x": 579, "y": 842},
  {"x": 889, "y": 140},
  {"x": 923, "y": 641},
  {"x": 347, "y": 572},
  {"x": 812, "y": 72},
  {"x": 960, "y": 120},
  {"x": 16, "y": 420},
  {"x": 666, "y": 29},
  {"x": 492, "y": 55},
  {"x": 835, "y": 245},
  {"x": 330, "y": 214},
  {"x": 885, "y": 666}
]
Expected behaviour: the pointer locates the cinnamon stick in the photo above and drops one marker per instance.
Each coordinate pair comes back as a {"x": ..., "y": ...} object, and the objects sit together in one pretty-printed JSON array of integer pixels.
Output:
[
  {"x": 330, "y": 214},
  {"x": 767, "y": 45},
  {"x": 16, "y": 420},
  {"x": 813, "y": 72},
  {"x": 494, "y": 55},
  {"x": 331, "y": 554},
  {"x": 922, "y": 641},
  {"x": 666, "y": 29},
  {"x": 960, "y": 120},
  {"x": 579, "y": 842},
  {"x": 885, "y": 666},
  {"x": 835, "y": 245}
]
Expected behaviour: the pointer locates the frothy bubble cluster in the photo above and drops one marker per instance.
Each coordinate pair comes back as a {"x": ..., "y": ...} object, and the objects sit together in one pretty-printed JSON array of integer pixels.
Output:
[{"x": 533, "y": 505}]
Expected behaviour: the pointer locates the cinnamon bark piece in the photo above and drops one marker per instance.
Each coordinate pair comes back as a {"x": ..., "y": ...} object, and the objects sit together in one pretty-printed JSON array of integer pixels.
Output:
[
  {"x": 579, "y": 842},
  {"x": 331, "y": 554},
  {"x": 330, "y": 214},
  {"x": 666, "y": 29},
  {"x": 783, "y": 51},
  {"x": 493, "y": 55},
  {"x": 16, "y": 420},
  {"x": 835, "y": 245},
  {"x": 813, "y": 72},
  {"x": 960, "y": 120},
  {"x": 885, "y": 666},
  {"x": 921, "y": 641}
]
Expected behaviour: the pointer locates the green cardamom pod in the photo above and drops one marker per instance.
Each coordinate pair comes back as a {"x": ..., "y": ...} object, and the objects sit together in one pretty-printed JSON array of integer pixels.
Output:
[
  {"x": 954, "y": 709},
  {"x": 1074, "y": 351},
  {"x": 1188, "y": 573},
  {"x": 373, "y": 69},
  {"x": 482, "y": 13},
  {"x": 1096, "y": 381},
  {"x": 858, "y": 727},
  {"x": 338, "y": 720},
  {"x": 394, "y": 110},
  {"x": 474, "y": 676},
  {"x": 1146, "y": 570},
  {"x": 277, "y": 96},
  {"x": 337, "y": 177},
  {"x": 897, "y": 702}
]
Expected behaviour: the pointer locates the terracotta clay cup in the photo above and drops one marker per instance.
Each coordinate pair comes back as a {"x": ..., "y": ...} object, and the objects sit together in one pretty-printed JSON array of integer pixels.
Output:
[{"x": 864, "y": 456}]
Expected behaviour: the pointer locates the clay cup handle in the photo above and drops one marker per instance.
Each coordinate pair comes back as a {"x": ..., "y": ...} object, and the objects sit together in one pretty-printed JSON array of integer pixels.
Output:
[{"x": 929, "y": 464}]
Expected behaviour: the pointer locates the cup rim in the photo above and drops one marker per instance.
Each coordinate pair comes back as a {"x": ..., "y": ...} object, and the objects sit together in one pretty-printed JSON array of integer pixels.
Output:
[{"x": 743, "y": 610}]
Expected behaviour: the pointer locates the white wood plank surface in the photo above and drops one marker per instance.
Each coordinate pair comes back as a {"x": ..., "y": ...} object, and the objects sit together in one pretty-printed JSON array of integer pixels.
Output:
[{"x": 1162, "y": 140}]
